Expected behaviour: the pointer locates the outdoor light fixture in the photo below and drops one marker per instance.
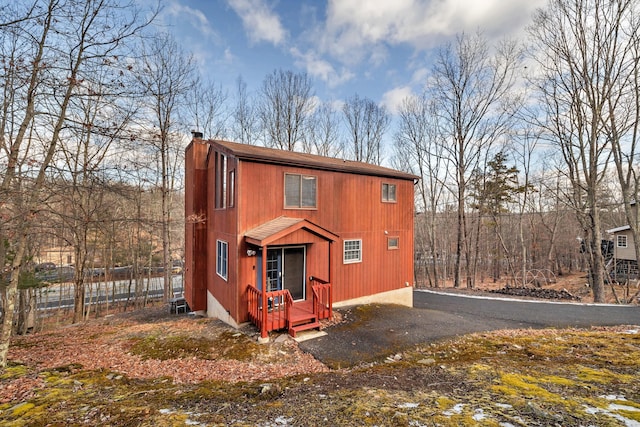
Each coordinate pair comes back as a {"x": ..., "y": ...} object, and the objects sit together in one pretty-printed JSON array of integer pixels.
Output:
[{"x": 251, "y": 252}]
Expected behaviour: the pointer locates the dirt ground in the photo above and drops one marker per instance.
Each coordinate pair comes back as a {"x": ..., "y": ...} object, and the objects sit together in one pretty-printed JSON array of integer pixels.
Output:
[{"x": 150, "y": 368}]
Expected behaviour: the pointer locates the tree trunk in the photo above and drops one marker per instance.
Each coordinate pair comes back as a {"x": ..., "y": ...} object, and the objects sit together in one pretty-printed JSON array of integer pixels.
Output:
[{"x": 11, "y": 296}]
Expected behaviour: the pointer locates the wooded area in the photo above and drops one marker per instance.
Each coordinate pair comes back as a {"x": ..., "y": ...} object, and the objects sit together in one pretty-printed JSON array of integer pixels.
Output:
[{"x": 526, "y": 149}]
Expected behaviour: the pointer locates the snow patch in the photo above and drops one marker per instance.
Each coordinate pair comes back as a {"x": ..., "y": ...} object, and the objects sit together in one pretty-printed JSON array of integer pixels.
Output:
[
  {"x": 408, "y": 405},
  {"x": 457, "y": 409},
  {"x": 479, "y": 415},
  {"x": 612, "y": 407}
]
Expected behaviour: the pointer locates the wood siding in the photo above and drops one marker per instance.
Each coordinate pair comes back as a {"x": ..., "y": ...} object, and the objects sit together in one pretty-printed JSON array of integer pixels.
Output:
[
  {"x": 629, "y": 252},
  {"x": 195, "y": 269},
  {"x": 349, "y": 205}
]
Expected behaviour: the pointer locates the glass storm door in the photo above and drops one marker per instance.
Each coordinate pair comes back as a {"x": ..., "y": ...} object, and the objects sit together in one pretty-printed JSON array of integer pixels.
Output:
[
  {"x": 274, "y": 270},
  {"x": 285, "y": 270},
  {"x": 294, "y": 271}
]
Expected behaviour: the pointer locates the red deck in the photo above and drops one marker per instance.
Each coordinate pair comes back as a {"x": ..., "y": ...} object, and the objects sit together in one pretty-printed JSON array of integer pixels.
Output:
[{"x": 287, "y": 314}]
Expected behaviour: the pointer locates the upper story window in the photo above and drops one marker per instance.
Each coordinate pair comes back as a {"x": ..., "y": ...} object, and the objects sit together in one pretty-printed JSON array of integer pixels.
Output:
[
  {"x": 300, "y": 191},
  {"x": 388, "y": 192},
  {"x": 232, "y": 188},
  {"x": 221, "y": 181},
  {"x": 622, "y": 241}
]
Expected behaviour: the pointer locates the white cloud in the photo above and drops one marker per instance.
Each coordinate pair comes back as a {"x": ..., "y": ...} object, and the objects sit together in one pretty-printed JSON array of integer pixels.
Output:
[
  {"x": 320, "y": 68},
  {"x": 393, "y": 98},
  {"x": 356, "y": 30},
  {"x": 229, "y": 57},
  {"x": 259, "y": 21},
  {"x": 193, "y": 17}
]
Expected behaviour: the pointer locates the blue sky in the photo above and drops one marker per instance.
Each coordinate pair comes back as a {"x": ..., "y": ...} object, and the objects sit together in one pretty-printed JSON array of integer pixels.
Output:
[{"x": 379, "y": 49}]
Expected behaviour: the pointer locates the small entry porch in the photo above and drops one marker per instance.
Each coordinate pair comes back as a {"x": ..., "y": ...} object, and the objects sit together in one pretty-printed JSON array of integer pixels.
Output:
[
  {"x": 290, "y": 254},
  {"x": 282, "y": 312}
]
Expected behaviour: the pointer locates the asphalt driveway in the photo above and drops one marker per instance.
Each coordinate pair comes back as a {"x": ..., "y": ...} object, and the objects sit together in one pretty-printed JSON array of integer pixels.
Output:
[{"x": 375, "y": 331}]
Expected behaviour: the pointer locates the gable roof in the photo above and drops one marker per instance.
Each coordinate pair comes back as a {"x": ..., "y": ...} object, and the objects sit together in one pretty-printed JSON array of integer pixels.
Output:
[
  {"x": 291, "y": 158},
  {"x": 282, "y": 226}
]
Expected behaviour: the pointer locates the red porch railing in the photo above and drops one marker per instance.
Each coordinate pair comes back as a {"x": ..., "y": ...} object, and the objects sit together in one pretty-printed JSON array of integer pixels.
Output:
[
  {"x": 322, "y": 300},
  {"x": 279, "y": 306},
  {"x": 276, "y": 316}
]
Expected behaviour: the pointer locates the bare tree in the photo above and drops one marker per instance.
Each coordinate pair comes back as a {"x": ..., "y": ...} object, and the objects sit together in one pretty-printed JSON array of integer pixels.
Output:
[
  {"x": 99, "y": 117},
  {"x": 622, "y": 115},
  {"x": 366, "y": 124},
  {"x": 471, "y": 88},
  {"x": 323, "y": 131},
  {"x": 166, "y": 77},
  {"x": 523, "y": 150},
  {"x": 417, "y": 151},
  {"x": 59, "y": 50},
  {"x": 286, "y": 105},
  {"x": 207, "y": 109},
  {"x": 586, "y": 57},
  {"x": 245, "y": 116}
]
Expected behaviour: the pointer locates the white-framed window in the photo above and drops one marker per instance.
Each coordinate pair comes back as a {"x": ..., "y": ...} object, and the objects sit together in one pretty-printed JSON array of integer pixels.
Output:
[
  {"x": 622, "y": 241},
  {"x": 388, "y": 192},
  {"x": 222, "y": 258},
  {"x": 300, "y": 191},
  {"x": 352, "y": 251},
  {"x": 393, "y": 242}
]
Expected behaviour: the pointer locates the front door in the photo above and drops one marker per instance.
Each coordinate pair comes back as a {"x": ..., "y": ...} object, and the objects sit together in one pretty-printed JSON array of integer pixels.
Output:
[{"x": 286, "y": 270}]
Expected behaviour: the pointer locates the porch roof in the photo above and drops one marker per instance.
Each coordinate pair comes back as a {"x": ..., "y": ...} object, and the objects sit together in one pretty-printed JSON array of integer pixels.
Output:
[{"x": 282, "y": 226}]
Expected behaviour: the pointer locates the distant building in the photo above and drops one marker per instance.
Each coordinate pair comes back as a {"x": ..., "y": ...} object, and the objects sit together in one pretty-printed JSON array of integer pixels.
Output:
[{"x": 624, "y": 264}]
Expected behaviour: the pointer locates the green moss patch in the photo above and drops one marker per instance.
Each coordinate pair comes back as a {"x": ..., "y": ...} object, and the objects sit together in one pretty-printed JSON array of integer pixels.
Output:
[
  {"x": 171, "y": 347},
  {"x": 237, "y": 346}
]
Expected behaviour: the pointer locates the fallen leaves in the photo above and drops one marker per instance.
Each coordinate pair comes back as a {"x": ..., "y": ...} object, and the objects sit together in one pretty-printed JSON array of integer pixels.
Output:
[{"x": 106, "y": 344}]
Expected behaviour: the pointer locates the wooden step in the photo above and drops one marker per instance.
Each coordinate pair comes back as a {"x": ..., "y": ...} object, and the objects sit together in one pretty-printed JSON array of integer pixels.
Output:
[
  {"x": 298, "y": 318},
  {"x": 293, "y": 330}
]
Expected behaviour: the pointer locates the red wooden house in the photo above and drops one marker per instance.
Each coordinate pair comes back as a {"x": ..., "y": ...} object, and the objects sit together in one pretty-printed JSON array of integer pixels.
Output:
[{"x": 278, "y": 238}]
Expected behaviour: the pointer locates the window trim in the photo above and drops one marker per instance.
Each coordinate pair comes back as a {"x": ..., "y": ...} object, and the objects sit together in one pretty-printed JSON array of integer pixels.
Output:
[
  {"x": 344, "y": 251},
  {"x": 393, "y": 247},
  {"x": 387, "y": 199},
  {"x": 222, "y": 260},
  {"x": 622, "y": 238},
  {"x": 300, "y": 206}
]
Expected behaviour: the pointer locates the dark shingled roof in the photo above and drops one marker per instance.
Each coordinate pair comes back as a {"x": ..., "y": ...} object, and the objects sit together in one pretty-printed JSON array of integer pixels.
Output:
[{"x": 291, "y": 158}]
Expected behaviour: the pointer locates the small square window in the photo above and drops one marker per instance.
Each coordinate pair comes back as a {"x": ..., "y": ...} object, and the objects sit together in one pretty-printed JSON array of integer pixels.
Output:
[
  {"x": 388, "y": 192},
  {"x": 392, "y": 242},
  {"x": 622, "y": 241},
  {"x": 352, "y": 251}
]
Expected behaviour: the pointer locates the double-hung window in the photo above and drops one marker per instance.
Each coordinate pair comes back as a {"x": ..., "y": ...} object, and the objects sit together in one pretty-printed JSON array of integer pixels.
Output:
[
  {"x": 352, "y": 251},
  {"x": 388, "y": 192},
  {"x": 300, "y": 191},
  {"x": 222, "y": 258}
]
